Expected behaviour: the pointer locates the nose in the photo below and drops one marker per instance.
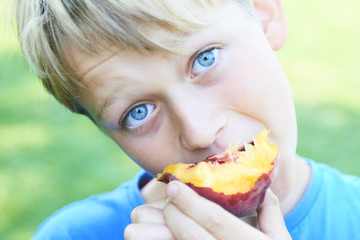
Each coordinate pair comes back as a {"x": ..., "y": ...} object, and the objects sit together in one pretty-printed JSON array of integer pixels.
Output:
[{"x": 199, "y": 124}]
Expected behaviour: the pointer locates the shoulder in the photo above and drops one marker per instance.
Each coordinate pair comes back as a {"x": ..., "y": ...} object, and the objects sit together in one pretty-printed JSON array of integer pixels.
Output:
[
  {"x": 335, "y": 187},
  {"x": 99, "y": 216},
  {"x": 330, "y": 200},
  {"x": 334, "y": 179}
]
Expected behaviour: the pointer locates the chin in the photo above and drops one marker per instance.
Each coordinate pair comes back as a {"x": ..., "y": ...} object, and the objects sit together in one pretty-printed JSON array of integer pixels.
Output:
[{"x": 285, "y": 176}]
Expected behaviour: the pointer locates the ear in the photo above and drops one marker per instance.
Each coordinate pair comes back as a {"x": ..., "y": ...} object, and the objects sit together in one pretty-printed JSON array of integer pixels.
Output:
[{"x": 272, "y": 16}]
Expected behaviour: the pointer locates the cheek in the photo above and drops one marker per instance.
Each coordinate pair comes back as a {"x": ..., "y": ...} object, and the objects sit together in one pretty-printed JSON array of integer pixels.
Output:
[
  {"x": 148, "y": 152},
  {"x": 265, "y": 96},
  {"x": 260, "y": 87}
]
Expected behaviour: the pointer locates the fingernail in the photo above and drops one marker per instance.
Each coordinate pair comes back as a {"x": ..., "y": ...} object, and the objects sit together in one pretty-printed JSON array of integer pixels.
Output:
[
  {"x": 167, "y": 201},
  {"x": 172, "y": 190}
]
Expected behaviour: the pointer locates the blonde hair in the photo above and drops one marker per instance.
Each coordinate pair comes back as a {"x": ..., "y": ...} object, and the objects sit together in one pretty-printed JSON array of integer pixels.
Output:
[{"x": 47, "y": 28}]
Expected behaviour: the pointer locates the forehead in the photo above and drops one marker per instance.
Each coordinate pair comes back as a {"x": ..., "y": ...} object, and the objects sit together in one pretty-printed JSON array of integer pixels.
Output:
[
  {"x": 141, "y": 25},
  {"x": 84, "y": 62}
]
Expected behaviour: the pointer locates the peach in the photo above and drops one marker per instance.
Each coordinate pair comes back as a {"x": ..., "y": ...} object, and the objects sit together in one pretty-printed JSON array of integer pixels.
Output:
[{"x": 236, "y": 179}]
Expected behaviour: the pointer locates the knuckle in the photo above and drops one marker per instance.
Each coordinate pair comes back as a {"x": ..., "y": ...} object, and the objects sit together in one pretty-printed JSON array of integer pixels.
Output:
[
  {"x": 271, "y": 200},
  {"x": 141, "y": 214},
  {"x": 215, "y": 221},
  {"x": 130, "y": 232},
  {"x": 133, "y": 215},
  {"x": 274, "y": 200}
]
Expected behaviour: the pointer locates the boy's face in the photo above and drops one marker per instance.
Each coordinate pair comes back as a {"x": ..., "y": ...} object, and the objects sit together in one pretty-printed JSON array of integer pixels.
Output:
[{"x": 169, "y": 108}]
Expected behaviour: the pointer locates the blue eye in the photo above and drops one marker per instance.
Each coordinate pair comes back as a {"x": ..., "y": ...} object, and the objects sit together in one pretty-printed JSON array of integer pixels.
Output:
[
  {"x": 138, "y": 115},
  {"x": 204, "y": 60}
]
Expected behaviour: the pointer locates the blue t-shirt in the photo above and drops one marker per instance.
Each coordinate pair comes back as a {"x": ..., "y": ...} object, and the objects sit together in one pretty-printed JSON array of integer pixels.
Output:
[
  {"x": 102, "y": 216},
  {"x": 330, "y": 209}
]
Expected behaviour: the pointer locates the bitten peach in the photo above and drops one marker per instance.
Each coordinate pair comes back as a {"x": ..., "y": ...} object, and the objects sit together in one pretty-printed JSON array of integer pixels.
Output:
[{"x": 236, "y": 179}]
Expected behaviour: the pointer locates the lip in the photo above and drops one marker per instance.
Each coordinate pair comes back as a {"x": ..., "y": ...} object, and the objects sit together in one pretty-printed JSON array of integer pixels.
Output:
[{"x": 219, "y": 153}]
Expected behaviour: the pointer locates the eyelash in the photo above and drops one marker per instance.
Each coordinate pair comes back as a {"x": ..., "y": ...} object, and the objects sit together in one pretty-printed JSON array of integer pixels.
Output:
[{"x": 125, "y": 118}]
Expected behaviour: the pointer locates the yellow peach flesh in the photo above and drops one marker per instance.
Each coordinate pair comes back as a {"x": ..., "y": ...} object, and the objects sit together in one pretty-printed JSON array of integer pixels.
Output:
[{"x": 238, "y": 175}]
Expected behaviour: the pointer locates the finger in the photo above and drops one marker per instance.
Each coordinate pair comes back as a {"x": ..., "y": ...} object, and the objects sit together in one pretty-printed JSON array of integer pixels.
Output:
[
  {"x": 271, "y": 221},
  {"x": 182, "y": 226},
  {"x": 147, "y": 214},
  {"x": 148, "y": 232},
  {"x": 217, "y": 221},
  {"x": 158, "y": 203}
]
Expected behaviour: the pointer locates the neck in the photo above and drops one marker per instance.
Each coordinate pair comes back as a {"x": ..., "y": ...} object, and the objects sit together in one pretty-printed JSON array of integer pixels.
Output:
[{"x": 302, "y": 179}]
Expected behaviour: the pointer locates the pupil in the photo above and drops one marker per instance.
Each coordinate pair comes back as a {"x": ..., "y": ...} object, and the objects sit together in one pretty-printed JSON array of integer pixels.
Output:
[{"x": 139, "y": 113}]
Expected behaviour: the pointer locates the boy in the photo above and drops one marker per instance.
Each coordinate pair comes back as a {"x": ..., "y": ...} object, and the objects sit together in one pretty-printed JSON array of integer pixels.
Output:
[{"x": 177, "y": 81}]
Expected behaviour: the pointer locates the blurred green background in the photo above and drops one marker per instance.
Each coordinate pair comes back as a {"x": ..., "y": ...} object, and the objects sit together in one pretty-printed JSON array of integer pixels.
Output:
[{"x": 50, "y": 157}]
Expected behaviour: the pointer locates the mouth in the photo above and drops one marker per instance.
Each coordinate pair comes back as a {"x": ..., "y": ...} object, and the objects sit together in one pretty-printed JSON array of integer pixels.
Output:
[
  {"x": 235, "y": 179},
  {"x": 242, "y": 148},
  {"x": 224, "y": 157}
]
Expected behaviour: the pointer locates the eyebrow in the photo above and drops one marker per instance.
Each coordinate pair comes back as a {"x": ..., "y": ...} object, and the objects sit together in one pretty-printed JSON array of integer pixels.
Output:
[
  {"x": 111, "y": 97},
  {"x": 107, "y": 103}
]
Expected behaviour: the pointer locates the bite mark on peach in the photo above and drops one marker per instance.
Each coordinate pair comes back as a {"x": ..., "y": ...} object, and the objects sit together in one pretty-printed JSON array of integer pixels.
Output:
[{"x": 236, "y": 179}]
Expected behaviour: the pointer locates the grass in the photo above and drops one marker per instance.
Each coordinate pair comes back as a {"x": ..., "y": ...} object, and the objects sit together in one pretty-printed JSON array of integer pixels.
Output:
[
  {"x": 321, "y": 60},
  {"x": 50, "y": 157}
]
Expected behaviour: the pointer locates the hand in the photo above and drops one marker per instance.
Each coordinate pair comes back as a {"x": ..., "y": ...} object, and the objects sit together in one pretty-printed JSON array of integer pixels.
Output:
[
  {"x": 148, "y": 222},
  {"x": 189, "y": 216}
]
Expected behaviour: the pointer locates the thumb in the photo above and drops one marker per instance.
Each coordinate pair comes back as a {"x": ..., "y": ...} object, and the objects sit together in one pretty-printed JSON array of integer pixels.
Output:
[{"x": 271, "y": 221}]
